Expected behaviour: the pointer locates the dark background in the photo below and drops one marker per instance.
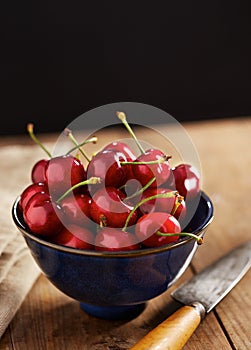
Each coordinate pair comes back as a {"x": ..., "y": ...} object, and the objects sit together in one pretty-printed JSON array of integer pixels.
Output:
[{"x": 60, "y": 59}]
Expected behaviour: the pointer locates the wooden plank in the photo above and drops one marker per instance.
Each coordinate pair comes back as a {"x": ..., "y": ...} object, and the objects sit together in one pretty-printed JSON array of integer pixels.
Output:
[
  {"x": 5, "y": 342},
  {"x": 235, "y": 314}
]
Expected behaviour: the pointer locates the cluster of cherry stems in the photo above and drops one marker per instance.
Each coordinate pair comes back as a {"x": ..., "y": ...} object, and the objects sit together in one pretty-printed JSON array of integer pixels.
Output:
[{"x": 118, "y": 202}]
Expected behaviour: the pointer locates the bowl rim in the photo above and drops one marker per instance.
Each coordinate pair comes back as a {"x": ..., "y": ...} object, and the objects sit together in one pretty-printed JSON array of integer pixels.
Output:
[{"x": 112, "y": 254}]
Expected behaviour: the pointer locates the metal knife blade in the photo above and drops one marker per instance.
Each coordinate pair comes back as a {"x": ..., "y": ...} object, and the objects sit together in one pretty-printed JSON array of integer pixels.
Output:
[
  {"x": 213, "y": 283},
  {"x": 199, "y": 296}
]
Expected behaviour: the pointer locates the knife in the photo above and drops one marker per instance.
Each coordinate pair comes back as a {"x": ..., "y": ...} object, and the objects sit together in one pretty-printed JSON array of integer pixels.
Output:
[{"x": 199, "y": 296}]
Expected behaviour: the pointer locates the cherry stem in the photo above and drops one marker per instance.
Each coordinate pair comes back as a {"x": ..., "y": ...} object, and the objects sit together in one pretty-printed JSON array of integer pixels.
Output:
[
  {"x": 122, "y": 117},
  {"x": 72, "y": 138},
  {"x": 161, "y": 160},
  {"x": 103, "y": 221},
  {"x": 160, "y": 195},
  {"x": 142, "y": 189},
  {"x": 92, "y": 139},
  {"x": 187, "y": 234},
  {"x": 30, "y": 129},
  {"x": 91, "y": 181},
  {"x": 177, "y": 203}
]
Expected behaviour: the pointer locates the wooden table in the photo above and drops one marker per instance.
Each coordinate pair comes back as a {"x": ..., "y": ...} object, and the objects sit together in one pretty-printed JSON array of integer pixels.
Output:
[{"x": 48, "y": 319}]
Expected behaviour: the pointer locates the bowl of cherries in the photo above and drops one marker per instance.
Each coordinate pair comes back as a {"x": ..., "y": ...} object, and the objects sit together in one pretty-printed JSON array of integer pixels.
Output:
[{"x": 117, "y": 231}]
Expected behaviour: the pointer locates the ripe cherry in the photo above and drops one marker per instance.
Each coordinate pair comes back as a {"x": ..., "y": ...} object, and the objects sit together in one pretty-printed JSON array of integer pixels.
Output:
[
  {"x": 170, "y": 183},
  {"x": 187, "y": 180},
  {"x": 38, "y": 171},
  {"x": 40, "y": 214},
  {"x": 122, "y": 147},
  {"x": 63, "y": 172},
  {"x": 133, "y": 190},
  {"x": 106, "y": 165},
  {"x": 145, "y": 172},
  {"x": 29, "y": 191},
  {"x": 108, "y": 208},
  {"x": 76, "y": 237},
  {"x": 76, "y": 209},
  {"x": 111, "y": 239},
  {"x": 157, "y": 204},
  {"x": 148, "y": 226},
  {"x": 174, "y": 205}
]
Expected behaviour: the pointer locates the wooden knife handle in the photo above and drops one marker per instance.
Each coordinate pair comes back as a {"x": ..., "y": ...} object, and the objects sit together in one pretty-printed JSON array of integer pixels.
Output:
[{"x": 174, "y": 332}]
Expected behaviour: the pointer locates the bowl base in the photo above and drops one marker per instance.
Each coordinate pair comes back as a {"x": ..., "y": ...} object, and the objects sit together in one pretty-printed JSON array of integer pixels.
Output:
[{"x": 113, "y": 312}]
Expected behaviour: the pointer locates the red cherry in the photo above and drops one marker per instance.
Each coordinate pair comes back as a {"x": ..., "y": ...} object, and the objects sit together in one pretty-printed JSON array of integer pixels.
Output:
[
  {"x": 157, "y": 204},
  {"x": 107, "y": 205},
  {"x": 170, "y": 183},
  {"x": 63, "y": 172},
  {"x": 40, "y": 215},
  {"x": 174, "y": 205},
  {"x": 111, "y": 239},
  {"x": 122, "y": 147},
  {"x": 76, "y": 237},
  {"x": 148, "y": 226},
  {"x": 38, "y": 171},
  {"x": 76, "y": 209},
  {"x": 187, "y": 180},
  {"x": 30, "y": 191},
  {"x": 145, "y": 172},
  {"x": 132, "y": 190},
  {"x": 106, "y": 165}
]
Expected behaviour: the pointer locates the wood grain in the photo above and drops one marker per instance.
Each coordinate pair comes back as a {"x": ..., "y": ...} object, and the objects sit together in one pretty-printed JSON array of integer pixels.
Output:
[{"x": 50, "y": 320}]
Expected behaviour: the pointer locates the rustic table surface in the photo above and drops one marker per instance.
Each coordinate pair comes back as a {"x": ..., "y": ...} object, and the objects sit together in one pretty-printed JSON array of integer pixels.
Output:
[{"x": 47, "y": 319}]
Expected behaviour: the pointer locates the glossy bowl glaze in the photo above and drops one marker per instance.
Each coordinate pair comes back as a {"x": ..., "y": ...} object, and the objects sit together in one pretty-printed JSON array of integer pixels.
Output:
[{"x": 115, "y": 285}]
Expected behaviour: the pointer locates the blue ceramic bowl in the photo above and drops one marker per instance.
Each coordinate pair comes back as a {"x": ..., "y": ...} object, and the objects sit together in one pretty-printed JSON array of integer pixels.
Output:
[{"x": 114, "y": 285}]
